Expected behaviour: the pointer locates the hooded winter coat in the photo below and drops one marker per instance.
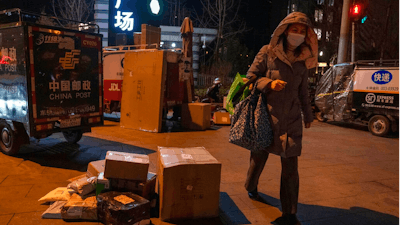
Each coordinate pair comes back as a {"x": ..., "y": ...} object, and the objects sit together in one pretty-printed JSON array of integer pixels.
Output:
[{"x": 286, "y": 106}]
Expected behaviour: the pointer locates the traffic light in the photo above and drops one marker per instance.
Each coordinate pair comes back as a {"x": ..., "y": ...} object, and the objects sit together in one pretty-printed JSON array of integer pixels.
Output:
[
  {"x": 358, "y": 10},
  {"x": 355, "y": 12},
  {"x": 364, "y": 19}
]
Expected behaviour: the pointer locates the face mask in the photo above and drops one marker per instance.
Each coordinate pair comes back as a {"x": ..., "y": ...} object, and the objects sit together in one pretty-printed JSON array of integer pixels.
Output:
[{"x": 295, "y": 39}]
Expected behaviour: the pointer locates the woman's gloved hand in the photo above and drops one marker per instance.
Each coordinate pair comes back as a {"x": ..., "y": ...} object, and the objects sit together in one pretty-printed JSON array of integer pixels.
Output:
[{"x": 277, "y": 85}]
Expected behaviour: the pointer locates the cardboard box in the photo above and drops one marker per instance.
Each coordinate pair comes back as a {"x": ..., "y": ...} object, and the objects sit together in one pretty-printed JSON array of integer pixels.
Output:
[
  {"x": 196, "y": 116},
  {"x": 128, "y": 166},
  {"x": 188, "y": 183},
  {"x": 137, "y": 36},
  {"x": 150, "y": 35},
  {"x": 222, "y": 118},
  {"x": 95, "y": 168},
  {"x": 145, "y": 75},
  {"x": 144, "y": 189}
]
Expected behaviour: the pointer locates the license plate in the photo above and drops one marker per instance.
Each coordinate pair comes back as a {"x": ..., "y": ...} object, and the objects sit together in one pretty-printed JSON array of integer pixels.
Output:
[{"x": 73, "y": 122}]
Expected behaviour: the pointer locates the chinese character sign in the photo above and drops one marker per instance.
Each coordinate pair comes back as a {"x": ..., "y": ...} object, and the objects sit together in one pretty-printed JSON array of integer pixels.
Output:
[
  {"x": 127, "y": 16},
  {"x": 123, "y": 20}
]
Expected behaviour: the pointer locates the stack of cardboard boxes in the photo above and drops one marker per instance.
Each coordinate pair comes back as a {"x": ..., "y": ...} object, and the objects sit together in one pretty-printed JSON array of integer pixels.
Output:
[{"x": 188, "y": 182}]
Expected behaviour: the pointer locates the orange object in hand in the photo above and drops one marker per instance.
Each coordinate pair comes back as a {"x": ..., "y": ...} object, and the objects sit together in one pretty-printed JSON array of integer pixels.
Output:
[{"x": 278, "y": 85}]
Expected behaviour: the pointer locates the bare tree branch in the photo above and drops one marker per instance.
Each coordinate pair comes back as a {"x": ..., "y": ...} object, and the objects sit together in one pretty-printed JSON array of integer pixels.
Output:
[
  {"x": 76, "y": 10},
  {"x": 222, "y": 15}
]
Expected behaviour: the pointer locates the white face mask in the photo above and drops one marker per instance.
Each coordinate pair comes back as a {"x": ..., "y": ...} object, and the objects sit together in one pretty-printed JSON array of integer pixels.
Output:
[{"x": 295, "y": 39}]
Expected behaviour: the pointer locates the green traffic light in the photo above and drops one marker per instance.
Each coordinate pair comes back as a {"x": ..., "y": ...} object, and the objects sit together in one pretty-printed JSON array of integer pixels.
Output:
[{"x": 364, "y": 19}]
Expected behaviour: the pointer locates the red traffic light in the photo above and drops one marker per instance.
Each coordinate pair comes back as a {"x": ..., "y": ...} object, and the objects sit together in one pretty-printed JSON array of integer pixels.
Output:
[
  {"x": 356, "y": 9},
  {"x": 356, "y": 12}
]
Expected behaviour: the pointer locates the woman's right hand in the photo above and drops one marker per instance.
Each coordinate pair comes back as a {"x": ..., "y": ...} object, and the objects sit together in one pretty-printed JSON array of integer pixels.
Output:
[{"x": 277, "y": 85}]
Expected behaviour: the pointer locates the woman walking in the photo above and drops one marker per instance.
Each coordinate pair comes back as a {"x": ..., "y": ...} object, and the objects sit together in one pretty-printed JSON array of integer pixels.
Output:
[{"x": 283, "y": 69}]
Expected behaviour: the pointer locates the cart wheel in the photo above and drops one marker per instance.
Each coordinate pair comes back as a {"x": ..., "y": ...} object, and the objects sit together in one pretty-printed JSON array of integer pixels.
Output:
[
  {"x": 9, "y": 142},
  {"x": 379, "y": 125},
  {"x": 320, "y": 117},
  {"x": 72, "y": 136}
]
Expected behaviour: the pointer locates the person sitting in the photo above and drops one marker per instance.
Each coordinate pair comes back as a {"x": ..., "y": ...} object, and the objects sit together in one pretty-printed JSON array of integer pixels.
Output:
[{"x": 213, "y": 91}]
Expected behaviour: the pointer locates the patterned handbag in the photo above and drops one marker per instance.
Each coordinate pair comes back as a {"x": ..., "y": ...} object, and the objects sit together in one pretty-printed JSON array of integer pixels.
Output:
[{"x": 250, "y": 127}]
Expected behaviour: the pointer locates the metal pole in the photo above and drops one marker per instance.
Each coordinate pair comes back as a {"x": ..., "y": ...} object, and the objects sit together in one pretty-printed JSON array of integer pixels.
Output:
[
  {"x": 385, "y": 32},
  {"x": 342, "y": 51},
  {"x": 353, "y": 42}
]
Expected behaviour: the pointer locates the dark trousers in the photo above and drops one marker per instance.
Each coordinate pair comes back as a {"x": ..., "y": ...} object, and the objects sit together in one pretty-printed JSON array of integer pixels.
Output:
[{"x": 289, "y": 192}]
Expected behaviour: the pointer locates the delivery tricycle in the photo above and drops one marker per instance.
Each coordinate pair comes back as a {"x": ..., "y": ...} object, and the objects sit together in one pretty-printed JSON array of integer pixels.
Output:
[
  {"x": 50, "y": 80},
  {"x": 365, "y": 92}
]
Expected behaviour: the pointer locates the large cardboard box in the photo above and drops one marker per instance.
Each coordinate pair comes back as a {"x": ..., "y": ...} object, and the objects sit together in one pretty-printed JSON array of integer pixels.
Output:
[
  {"x": 130, "y": 166},
  {"x": 222, "y": 118},
  {"x": 143, "y": 92},
  {"x": 188, "y": 183},
  {"x": 95, "y": 168},
  {"x": 196, "y": 116}
]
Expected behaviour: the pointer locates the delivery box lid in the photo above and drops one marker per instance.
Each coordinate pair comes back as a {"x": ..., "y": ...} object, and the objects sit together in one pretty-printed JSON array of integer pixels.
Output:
[
  {"x": 171, "y": 156},
  {"x": 127, "y": 157},
  {"x": 123, "y": 165}
]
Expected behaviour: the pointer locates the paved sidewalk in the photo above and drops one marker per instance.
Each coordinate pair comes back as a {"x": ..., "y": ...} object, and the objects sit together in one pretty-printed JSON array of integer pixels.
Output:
[{"x": 347, "y": 176}]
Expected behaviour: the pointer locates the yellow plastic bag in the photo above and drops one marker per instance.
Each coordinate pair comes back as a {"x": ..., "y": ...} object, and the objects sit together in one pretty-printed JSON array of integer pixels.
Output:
[{"x": 58, "y": 194}]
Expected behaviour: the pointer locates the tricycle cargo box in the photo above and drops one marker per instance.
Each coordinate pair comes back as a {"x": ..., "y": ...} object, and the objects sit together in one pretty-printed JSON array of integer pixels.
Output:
[{"x": 50, "y": 81}]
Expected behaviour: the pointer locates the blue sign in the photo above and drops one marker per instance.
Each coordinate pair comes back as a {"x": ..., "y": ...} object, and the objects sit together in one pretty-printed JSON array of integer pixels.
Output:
[{"x": 381, "y": 77}]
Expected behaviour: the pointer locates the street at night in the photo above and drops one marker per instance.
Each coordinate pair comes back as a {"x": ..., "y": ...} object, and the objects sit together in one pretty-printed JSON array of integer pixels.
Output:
[
  {"x": 205, "y": 112},
  {"x": 347, "y": 175}
]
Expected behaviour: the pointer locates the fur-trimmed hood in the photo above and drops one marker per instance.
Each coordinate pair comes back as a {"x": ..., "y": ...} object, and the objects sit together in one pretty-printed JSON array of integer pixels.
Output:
[{"x": 310, "y": 51}]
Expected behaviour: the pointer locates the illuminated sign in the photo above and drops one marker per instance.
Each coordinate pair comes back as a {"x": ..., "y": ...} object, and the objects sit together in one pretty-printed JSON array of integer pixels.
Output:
[
  {"x": 127, "y": 16},
  {"x": 155, "y": 7},
  {"x": 124, "y": 21}
]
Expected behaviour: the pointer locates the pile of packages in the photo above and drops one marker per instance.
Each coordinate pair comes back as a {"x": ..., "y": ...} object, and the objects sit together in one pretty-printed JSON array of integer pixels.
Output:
[{"x": 120, "y": 190}]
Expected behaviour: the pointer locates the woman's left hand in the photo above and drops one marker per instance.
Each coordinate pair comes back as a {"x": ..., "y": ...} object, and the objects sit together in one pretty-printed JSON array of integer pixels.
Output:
[{"x": 307, "y": 125}]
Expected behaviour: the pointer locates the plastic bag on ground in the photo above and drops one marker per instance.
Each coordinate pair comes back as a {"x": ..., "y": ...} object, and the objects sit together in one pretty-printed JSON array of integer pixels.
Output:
[
  {"x": 78, "y": 208},
  {"x": 58, "y": 194},
  {"x": 84, "y": 185},
  {"x": 54, "y": 211},
  {"x": 122, "y": 208}
]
